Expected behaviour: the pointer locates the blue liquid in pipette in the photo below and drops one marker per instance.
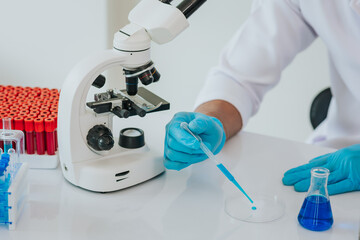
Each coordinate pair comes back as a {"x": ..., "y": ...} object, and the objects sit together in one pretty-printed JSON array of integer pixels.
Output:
[
  {"x": 222, "y": 168},
  {"x": 315, "y": 213},
  {"x": 232, "y": 179}
]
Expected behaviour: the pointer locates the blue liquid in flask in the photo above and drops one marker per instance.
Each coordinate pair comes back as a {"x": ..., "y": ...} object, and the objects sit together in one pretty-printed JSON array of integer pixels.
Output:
[{"x": 315, "y": 213}]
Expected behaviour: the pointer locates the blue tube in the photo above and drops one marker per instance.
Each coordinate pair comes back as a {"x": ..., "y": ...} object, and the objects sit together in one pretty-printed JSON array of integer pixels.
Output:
[
  {"x": 211, "y": 156},
  {"x": 232, "y": 179},
  {"x": 4, "y": 163}
]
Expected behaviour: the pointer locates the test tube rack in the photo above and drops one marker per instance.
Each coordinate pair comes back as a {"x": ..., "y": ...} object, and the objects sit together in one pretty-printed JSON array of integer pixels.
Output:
[
  {"x": 13, "y": 184},
  {"x": 34, "y": 112}
]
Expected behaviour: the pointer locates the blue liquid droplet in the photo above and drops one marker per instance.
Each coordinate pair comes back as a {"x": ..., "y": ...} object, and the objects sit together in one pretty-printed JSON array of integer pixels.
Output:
[{"x": 253, "y": 208}]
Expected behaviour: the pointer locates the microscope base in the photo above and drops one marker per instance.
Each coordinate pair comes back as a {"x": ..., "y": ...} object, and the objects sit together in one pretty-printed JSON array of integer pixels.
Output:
[{"x": 114, "y": 173}]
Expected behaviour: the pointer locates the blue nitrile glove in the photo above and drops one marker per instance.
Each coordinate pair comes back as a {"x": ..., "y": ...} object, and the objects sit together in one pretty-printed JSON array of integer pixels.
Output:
[
  {"x": 344, "y": 167},
  {"x": 181, "y": 149}
]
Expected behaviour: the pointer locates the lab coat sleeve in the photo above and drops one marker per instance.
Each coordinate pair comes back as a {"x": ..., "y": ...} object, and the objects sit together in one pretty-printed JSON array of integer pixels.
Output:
[{"x": 252, "y": 62}]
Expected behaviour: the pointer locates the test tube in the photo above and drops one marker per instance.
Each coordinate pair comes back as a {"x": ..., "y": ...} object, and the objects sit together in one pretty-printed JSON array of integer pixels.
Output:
[
  {"x": 4, "y": 163},
  {"x": 1, "y": 127},
  {"x": 54, "y": 116},
  {"x": 19, "y": 125},
  {"x": 50, "y": 136},
  {"x": 40, "y": 136},
  {"x": 29, "y": 134},
  {"x": 7, "y": 127}
]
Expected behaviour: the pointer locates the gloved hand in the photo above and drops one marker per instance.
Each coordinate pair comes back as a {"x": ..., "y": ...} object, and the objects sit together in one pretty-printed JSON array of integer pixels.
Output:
[
  {"x": 181, "y": 148},
  {"x": 344, "y": 167}
]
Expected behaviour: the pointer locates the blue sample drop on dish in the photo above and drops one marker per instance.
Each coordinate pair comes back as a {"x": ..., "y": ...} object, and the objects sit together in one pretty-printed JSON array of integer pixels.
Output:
[{"x": 315, "y": 213}]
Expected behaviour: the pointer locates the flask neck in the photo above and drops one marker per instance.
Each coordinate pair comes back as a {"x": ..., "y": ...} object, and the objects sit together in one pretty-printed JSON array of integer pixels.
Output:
[{"x": 319, "y": 178}]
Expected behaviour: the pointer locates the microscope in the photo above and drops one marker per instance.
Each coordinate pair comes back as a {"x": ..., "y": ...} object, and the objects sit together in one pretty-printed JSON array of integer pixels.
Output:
[{"x": 92, "y": 156}]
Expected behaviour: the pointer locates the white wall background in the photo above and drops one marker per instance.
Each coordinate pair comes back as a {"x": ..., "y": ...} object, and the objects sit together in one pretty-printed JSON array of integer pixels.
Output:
[{"x": 40, "y": 41}]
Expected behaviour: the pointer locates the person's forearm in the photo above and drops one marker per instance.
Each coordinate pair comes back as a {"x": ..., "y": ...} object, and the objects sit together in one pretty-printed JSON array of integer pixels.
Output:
[{"x": 228, "y": 115}]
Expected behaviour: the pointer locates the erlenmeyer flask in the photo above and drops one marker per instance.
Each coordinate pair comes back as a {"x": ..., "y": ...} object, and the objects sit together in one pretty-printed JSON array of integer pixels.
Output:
[{"x": 315, "y": 213}]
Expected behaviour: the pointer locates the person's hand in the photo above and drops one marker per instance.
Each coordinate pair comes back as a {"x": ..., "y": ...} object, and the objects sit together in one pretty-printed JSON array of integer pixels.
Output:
[
  {"x": 182, "y": 149},
  {"x": 344, "y": 166}
]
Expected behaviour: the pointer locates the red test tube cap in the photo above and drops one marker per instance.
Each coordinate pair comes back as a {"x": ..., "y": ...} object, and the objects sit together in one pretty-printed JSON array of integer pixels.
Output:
[
  {"x": 4, "y": 111},
  {"x": 49, "y": 124},
  {"x": 19, "y": 123},
  {"x": 22, "y": 114},
  {"x": 37, "y": 105},
  {"x": 17, "y": 104},
  {"x": 12, "y": 110},
  {"x": 29, "y": 124},
  {"x": 26, "y": 105},
  {"x": 12, "y": 116},
  {"x": 54, "y": 116},
  {"x": 19, "y": 88},
  {"x": 44, "y": 113},
  {"x": 21, "y": 97},
  {"x": 54, "y": 90},
  {"x": 39, "y": 125},
  {"x": 33, "y": 115},
  {"x": 34, "y": 110},
  {"x": 22, "y": 101},
  {"x": 23, "y": 110}
]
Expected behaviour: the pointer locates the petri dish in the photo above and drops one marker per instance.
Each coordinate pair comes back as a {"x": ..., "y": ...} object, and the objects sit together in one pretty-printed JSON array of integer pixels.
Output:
[{"x": 268, "y": 208}]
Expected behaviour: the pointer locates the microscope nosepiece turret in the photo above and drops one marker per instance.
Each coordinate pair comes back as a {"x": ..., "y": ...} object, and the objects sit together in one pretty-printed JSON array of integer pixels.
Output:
[{"x": 147, "y": 74}]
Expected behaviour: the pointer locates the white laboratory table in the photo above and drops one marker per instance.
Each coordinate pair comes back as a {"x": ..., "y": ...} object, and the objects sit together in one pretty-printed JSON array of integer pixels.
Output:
[{"x": 188, "y": 204}]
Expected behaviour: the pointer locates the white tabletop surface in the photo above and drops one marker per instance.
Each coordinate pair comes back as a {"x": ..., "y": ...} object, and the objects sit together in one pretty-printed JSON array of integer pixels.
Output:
[{"x": 188, "y": 204}]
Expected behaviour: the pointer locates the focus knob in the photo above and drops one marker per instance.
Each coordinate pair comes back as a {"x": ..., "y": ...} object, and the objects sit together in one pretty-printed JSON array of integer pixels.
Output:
[
  {"x": 100, "y": 138},
  {"x": 121, "y": 113},
  {"x": 99, "y": 82}
]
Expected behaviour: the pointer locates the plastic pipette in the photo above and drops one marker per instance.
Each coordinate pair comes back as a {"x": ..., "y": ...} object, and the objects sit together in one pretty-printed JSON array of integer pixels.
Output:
[{"x": 211, "y": 156}]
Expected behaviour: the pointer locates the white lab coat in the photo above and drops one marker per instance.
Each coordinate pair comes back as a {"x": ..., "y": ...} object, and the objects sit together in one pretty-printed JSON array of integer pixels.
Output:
[{"x": 251, "y": 64}]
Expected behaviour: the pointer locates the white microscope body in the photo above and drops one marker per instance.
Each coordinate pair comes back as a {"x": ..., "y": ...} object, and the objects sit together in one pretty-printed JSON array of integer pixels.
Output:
[{"x": 113, "y": 167}]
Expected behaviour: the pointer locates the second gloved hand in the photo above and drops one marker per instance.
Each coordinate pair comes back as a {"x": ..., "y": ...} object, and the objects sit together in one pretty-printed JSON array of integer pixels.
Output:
[
  {"x": 344, "y": 166},
  {"x": 182, "y": 149}
]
